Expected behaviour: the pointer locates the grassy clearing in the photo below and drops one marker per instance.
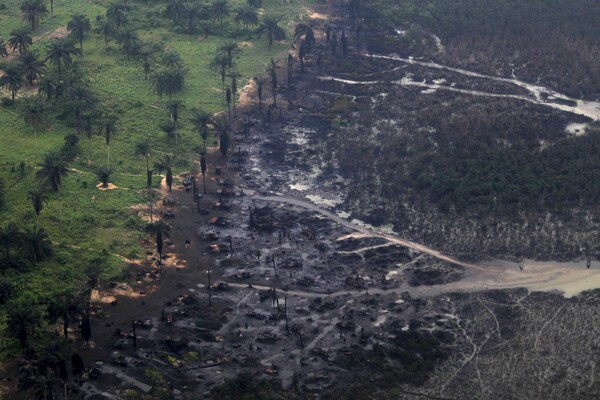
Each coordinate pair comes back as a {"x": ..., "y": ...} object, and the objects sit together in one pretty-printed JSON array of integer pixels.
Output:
[{"x": 101, "y": 222}]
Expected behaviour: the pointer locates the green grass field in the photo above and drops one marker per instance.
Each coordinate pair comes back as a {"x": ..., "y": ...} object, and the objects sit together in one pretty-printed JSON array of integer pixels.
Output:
[{"x": 95, "y": 221}]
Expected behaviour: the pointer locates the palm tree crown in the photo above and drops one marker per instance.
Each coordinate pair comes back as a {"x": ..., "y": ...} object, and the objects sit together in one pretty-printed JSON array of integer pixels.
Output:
[
  {"x": 33, "y": 11},
  {"x": 270, "y": 29},
  {"x": 202, "y": 121},
  {"x": 247, "y": 16},
  {"x": 31, "y": 66},
  {"x": 52, "y": 170},
  {"x": 12, "y": 80},
  {"x": 20, "y": 40},
  {"x": 79, "y": 25},
  {"x": 219, "y": 10},
  {"x": 60, "y": 52}
]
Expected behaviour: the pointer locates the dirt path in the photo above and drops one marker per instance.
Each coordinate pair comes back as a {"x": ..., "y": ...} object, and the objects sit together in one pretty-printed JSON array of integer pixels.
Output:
[{"x": 391, "y": 239}]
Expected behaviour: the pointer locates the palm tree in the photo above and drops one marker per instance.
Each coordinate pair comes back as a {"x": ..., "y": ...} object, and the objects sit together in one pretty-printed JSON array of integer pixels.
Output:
[
  {"x": 221, "y": 127},
  {"x": 52, "y": 170},
  {"x": 161, "y": 230},
  {"x": 35, "y": 113},
  {"x": 221, "y": 63},
  {"x": 172, "y": 59},
  {"x": 80, "y": 102},
  {"x": 31, "y": 66},
  {"x": 273, "y": 73},
  {"x": 104, "y": 28},
  {"x": 12, "y": 80},
  {"x": 36, "y": 244},
  {"x": 308, "y": 33},
  {"x": 203, "y": 170},
  {"x": 20, "y": 40},
  {"x": 103, "y": 174},
  {"x": 60, "y": 52},
  {"x": 201, "y": 120},
  {"x": 79, "y": 25},
  {"x": 168, "y": 80},
  {"x": 219, "y": 10},
  {"x": 3, "y": 51},
  {"x": 129, "y": 41},
  {"x": 11, "y": 237},
  {"x": 23, "y": 317},
  {"x": 270, "y": 29},
  {"x": 259, "y": 93},
  {"x": 49, "y": 86},
  {"x": 231, "y": 49},
  {"x": 33, "y": 11},
  {"x": 62, "y": 307},
  {"x": 224, "y": 143},
  {"x": 117, "y": 14},
  {"x": 142, "y": 148},
  {"x": 38, "y": 200},
  {"x": 166, "y": 165},
  {"x": 193, "y": 12},
  {"x": 174, "y": 107},
  {"x": 176, "y": 10},
  {"x": 234, "y": 75},
  {"x": 108, "y": 129},
  {"x": 247, "y": 15}
]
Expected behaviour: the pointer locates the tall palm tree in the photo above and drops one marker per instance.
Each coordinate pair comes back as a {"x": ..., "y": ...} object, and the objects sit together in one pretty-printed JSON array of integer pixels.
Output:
[
  {"x": 53, "y": 169},
  {"x": 230, "y": 49},
  {"x": 38, "y": 200},
  {"x": 161, "y": 230},
  {"x": 234, "y": 75},
  {"x": 193, "y": 12},
  {"x": 219, "y": 10},
  {"x": 79, "y": 25},
  {"x": 108, "y": 129},
  {"x": 80, "y": 102},
  {"x": 31, "y": 66},
  {"x": 62, "y": 308},
  {"x": 23, "y": 317},
  {"x": 176, "y": 10},
  {"x": 142, "y": 148},
  {"x": 12, "y": 80},
  {"x": 3, "y": 51},
  {"x": 49, "y": 86},
  {"x": 221, "y": 126},
  {"x": 35, "y": 113},
  {"x": 201, "y": 120},
  {"x": 103, "y": 174},
  {"x": 168, "y": 81},
  {"x": 273, "y": 73},
  {"x": 247, "y": 16},
  {"x": 129, "y": 40},
  {"x": 270, "y": 29},
  {"x": 220, "y": 64},
  {"x": 20, "y": 40},
  {"x": 33, "y": 11},
  {"x": 259, "y": 93},
  {"x": 36, "y": 245},
  {"x": 172, "y": 59},
  {"x": 104, "y": 28},
  {"x": 166, "y": 165},
  {"x": 306, "y": 31},
  {"x": 117, "y": 14},
  {"x": 11, "y": 238},
  {"x": 174, "y": 107},
  {"x": 60, "y": 53}
]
